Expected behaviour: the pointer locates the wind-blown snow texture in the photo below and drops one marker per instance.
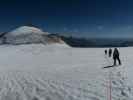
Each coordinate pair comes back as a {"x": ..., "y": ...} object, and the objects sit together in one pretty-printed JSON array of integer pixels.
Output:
[{"x": 38, "y": 72}]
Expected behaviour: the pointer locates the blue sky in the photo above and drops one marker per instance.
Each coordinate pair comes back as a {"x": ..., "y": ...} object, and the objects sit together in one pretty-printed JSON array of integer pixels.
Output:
[{"x": 85, "y": 18}]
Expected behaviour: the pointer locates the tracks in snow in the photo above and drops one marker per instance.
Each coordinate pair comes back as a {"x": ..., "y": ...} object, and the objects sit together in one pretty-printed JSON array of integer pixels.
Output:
[{"x": 22, "y": 85}]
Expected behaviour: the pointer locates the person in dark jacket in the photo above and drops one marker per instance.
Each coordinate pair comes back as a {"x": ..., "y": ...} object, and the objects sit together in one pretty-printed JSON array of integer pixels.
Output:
[
  {"x": 116, "y": 56},
  {"x": 110, "y": 52},
  {"x": 105, "y": 52}
]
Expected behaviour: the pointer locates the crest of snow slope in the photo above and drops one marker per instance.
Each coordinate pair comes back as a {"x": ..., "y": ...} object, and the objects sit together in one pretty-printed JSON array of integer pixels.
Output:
[
  {"x": 25, "y": 34},
  {"x": 27, "y": 30}
]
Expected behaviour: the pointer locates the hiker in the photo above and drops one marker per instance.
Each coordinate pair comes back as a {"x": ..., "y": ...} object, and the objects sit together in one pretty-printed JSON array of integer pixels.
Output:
[
  {"x": 110, "y": 52},
  {"x": 105, "y": 52},
  {"x": 116, "y": 56}
]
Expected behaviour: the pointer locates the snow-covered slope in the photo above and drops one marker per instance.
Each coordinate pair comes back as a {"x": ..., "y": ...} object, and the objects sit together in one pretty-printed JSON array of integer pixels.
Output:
[
  {"x": 30, "y": 35},
  {"x": 39, "y": 72},
  {"x": 25, "y": 34}
]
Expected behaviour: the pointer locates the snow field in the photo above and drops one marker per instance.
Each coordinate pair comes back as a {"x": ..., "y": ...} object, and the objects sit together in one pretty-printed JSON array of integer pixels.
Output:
[{"x": 43, "y": 72}]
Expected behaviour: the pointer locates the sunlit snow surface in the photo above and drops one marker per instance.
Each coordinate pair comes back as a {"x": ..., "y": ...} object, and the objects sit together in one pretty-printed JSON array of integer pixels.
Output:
[
  {"x": 53, "y": 72},
  {"x": 26, "y": 30}
]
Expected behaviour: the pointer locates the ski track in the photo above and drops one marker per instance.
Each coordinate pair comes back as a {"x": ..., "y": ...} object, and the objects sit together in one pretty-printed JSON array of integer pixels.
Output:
[{"x": 62, "y": 79}]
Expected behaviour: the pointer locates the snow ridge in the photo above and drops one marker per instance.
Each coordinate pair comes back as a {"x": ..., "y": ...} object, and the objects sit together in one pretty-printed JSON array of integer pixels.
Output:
[
  {"x": 26, "y": 30},
  {"x": 30, "y": 35}
]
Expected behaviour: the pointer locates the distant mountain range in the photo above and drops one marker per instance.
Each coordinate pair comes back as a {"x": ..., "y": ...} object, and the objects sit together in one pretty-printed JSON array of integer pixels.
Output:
[{"x": 97, "y": 42}]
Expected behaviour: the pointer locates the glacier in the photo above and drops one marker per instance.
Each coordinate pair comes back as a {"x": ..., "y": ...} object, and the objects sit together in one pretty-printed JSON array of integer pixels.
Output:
[{"x": 56, "y": 72}]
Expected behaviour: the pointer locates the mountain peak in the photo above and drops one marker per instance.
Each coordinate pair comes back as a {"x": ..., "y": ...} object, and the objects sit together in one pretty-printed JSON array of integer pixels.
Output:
[{"x": 26, "y": 30}]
